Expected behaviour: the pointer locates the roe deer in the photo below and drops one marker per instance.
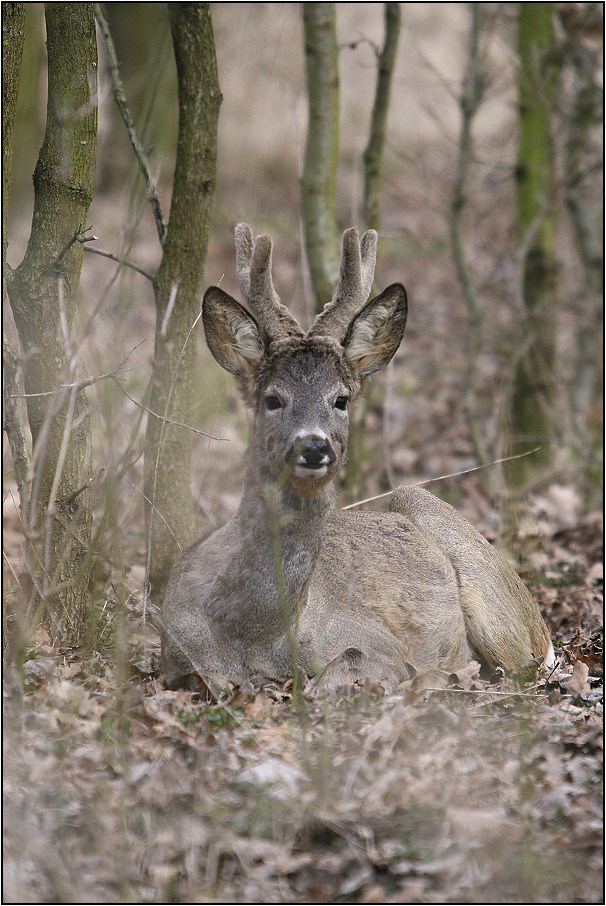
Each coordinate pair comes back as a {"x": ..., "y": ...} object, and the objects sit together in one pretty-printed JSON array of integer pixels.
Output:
[{"x": 363, "y": 594}]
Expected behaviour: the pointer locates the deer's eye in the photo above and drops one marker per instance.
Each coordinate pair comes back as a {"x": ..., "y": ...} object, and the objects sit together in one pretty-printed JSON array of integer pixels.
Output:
[
  {"x": 341, "y": 402},
  {"x": 272, "y": 403}
]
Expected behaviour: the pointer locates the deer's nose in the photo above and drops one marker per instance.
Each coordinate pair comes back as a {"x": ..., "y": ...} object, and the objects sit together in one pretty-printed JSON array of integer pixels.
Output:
[{"x": 312, "y": 452}]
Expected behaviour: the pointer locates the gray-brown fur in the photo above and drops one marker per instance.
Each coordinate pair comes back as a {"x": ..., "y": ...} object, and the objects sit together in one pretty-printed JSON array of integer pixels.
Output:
[{"x": 367, "y": 594}]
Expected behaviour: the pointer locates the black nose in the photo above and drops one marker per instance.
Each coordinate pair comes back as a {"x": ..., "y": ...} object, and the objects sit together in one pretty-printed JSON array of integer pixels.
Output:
[{"x": 312, "y": 452}]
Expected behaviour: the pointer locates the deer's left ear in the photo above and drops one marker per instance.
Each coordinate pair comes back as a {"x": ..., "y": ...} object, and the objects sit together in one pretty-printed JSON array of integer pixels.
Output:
[{"x": 376, "y": 332}]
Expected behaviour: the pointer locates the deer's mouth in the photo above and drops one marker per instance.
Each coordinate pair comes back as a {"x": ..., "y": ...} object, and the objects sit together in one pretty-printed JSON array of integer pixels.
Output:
[{"x": 304, "y": 470}]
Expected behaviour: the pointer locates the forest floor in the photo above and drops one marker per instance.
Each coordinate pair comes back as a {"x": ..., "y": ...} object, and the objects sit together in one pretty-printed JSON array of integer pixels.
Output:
[
  {"x": 453, "y": 789},
  {"x": 460, "y": 788}
]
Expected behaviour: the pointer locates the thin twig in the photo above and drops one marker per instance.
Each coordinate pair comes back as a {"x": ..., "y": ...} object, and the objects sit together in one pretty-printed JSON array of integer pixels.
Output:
[
  {"x": 120, "y": 99},
  {"x": 79, "y": 236},
  {"x": 163, "y": 418},
  {"x": 157, "y": 511},
  {"x": 80, "y": 385},
  {"x": 488, "y": 692},
  {"x": 87, "y": 484},
  {"x": 418, "y": 484},
  {"x": 123, "y": 261}
]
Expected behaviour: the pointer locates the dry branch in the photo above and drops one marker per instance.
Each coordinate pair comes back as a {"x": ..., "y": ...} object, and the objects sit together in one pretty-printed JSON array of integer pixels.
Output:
[
  {"x": 120, "y": 99},
  {"x": 123, "y": 261}
]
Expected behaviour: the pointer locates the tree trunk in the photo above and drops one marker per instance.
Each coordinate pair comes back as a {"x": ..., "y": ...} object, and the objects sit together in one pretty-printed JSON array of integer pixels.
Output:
[
  {"x": 373, "y": 155},
  {"x": 584, "y": 195},
  {"x": 471, "y": 98},
  {"x": 14, "y": 417},
  {"x": 13, "y": 23},
  {"x": 43, "y": 293},
  {"x": 318, "y": 182},
  {"x": 530, "y": 405},
  {"x": 178, "y": 283}
]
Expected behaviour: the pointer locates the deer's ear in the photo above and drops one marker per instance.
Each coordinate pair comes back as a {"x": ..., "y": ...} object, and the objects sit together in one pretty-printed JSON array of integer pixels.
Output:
[
  {"x": 376, "y": 332},
  {"x": 233, "y": 336}
]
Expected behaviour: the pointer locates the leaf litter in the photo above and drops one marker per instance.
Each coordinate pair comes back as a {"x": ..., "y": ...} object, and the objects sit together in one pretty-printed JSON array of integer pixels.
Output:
[{"x": 455, "y": 788}]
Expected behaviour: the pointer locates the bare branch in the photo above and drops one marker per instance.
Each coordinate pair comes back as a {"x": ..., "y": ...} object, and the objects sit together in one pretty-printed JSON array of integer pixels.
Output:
[
  {"x": 418, "y": 484},
  {"x": 155, "y": 509},
  {"x": 163, "y": 418},
  {"x": 82, "y": 384},
  {"x": 123, "y": 261},
  {"x": 120, "y": 99},
  {"x": 78, "y": 236}
]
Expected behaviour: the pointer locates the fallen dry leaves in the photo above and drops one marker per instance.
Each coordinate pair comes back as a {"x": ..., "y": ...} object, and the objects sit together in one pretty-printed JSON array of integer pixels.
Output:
[
  {"x": 117, "y": 789},
  {"x": 459, "y": 787}
]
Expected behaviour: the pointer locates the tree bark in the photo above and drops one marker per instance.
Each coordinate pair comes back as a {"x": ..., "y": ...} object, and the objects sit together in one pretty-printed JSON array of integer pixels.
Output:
[
  {"x": 178, "y": 283},
  {"x": 43, "y": 293},
  {"x": 318, "y": 182},
  {"x": 373, "y": 155},
  {"x": 530, "y": 405},
  {"x": 470, "y": 101},
  {"x": 584, "y": 165},
  {"x": 13, "y": 24},
  {"x": 13, "y": 416}
]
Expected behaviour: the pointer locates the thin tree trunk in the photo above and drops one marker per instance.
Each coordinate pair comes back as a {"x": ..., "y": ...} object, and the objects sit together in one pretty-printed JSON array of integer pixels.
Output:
[
  {"x": 530, "y": 405},
  {"x": 470, "y": 102},
  {"x": 14, "y": 417},
  {"x": 43, "y": 293},
  {"x": 584, "y": 163},
  {"x": 319, "y": 177},
  {"x": 373, "y": 155},
  {"x": 178, "y": 284},
  {"x": 13, "y": 24}
]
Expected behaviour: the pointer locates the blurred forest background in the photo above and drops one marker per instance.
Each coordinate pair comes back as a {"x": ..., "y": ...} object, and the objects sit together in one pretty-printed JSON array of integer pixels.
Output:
[{"x": 478, "y": 346}]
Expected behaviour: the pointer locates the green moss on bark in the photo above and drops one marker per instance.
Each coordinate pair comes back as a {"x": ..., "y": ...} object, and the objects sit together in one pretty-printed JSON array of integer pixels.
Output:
[{"x": 530, "y": 406}]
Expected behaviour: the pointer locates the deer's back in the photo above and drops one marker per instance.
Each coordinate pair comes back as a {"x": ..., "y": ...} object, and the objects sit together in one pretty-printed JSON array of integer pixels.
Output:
[{"x": 380, "y": 578}]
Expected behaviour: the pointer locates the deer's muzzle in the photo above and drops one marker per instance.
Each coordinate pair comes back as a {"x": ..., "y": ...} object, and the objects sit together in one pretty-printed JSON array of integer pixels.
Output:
[{"x": 311, "y": 453}]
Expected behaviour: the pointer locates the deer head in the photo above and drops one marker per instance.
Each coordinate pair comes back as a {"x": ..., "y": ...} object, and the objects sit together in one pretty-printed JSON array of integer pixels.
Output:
[{"x": 300, "y": 384}]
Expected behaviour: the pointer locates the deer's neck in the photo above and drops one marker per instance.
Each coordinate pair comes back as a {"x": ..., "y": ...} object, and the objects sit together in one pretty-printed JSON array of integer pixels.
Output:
[{"x": 283, "y": 530}]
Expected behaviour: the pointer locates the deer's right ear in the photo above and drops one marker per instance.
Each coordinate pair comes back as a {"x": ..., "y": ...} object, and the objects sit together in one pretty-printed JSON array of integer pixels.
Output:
[
  {"x": 375, "y": 334},
  {"x": 233, "y": 336}
]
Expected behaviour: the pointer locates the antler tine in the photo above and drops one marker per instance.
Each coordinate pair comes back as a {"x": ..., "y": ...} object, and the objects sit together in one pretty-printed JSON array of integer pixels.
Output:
[
  {"x": 356, "y": 274},
  {"x": 253, "y": 269},
  {"x": 244, "y": 250}
]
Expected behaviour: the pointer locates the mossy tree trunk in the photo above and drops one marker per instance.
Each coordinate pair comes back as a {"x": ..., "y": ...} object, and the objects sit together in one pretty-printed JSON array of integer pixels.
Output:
[
  {"x": 178, "y": 283},
  {"x": 584, "y": 166},
  {"x": 318, "y": 182},
  {"x": 530, "y": 421},
  {"x": 43, "y": 293},
  {"x": 13, "y": 24}
]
